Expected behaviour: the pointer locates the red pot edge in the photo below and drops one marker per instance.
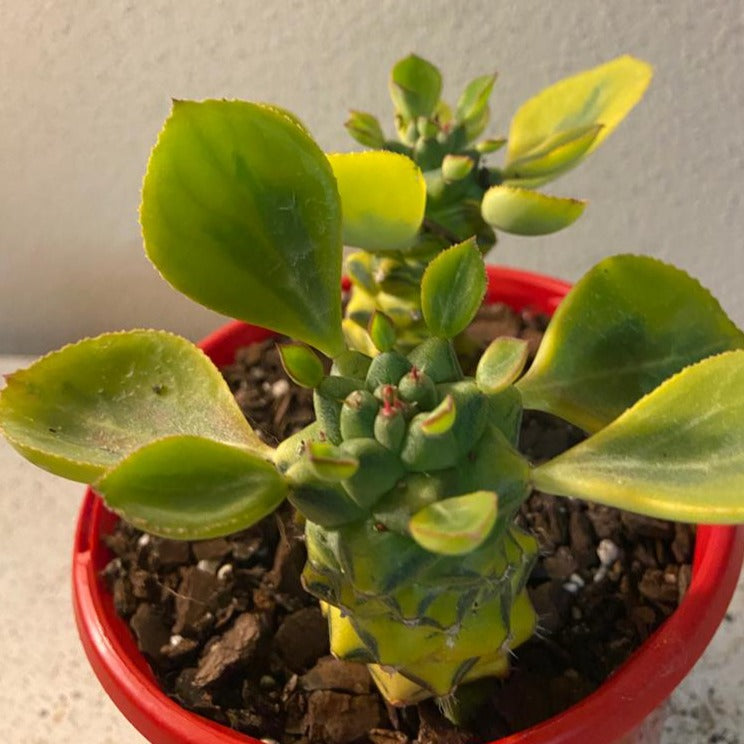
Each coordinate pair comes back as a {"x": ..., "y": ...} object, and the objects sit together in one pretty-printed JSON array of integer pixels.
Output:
[{"x": 645, "y": 680}]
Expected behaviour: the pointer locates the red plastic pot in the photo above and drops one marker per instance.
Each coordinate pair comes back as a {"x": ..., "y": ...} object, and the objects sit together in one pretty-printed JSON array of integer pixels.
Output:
[{"x": 608, "y": 716}]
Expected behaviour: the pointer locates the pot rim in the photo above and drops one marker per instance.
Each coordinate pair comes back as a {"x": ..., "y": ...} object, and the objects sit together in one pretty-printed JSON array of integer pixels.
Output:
[{"x": 618, "y": 706}]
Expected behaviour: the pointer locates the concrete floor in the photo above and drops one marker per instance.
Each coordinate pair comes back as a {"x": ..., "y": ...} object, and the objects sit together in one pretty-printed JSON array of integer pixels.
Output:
[{"x": 49, "y": 695}]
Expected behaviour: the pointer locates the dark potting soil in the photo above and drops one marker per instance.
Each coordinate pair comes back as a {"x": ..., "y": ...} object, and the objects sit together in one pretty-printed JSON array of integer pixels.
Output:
[{"x": 230, "y": 633}]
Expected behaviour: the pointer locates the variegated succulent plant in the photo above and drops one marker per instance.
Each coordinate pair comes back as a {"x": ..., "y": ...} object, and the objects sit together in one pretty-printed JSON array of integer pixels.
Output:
[
  {"x": 409, "y": 479},
  {"x": 465, "y": 195}
]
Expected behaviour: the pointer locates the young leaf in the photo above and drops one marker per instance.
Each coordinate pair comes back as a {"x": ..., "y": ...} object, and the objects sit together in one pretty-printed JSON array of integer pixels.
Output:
[
  {"x": 301, "y": 364},
  {"x": 240, "y": 212},
  {"x": 556, "y": 155},
  {"x": 365, "y": 129},
  {"x": 490, "y": 145},
  {"x": 523, "y": 212},
  {"x": 501, "y": 364},
  {"x": 192, "y": 488},
  {"x": 626, "y": 326},
  {"x": 457, "y": 525},
  {"x": 78, "y": 411},
  {"x": 452, "y": 289},
  {"x": 383, "y": 197},
  {"x": 474, "y": 99},
  {"x": 441, "y": 419},
  {"x": 678, "y": 453},
  {"x": 381, "y": 331},
  {"x": 603, "y": 95},
  {"x": 456, "y": 167},
  {"x": 329, "y": 463},
  {"x": 415, "y": 86}
]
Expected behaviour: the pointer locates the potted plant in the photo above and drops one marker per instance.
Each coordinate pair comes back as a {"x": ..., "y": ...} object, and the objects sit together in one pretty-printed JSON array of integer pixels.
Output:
[{"x": 409, "y": 479}]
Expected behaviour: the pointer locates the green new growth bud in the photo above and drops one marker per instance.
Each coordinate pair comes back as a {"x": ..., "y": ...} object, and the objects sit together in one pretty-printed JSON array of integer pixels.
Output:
[
  {"x": 390, "y": 426},
  {"x": 417, "y": 388},
  {"x": 365, "y": 129},
  {"x": 301, "y": 363},
  {"x": 386, "y": 369},
  {"x": 424, "y": 452},
  {"x": 379, "y": 470},
  {"x": 382, "y": 331},
  {"x": 456, "y": 167},
  {"x": 358, "y": 415},
  {"x": 441, "y": 419},
  {"x": 436, "y": 358}
]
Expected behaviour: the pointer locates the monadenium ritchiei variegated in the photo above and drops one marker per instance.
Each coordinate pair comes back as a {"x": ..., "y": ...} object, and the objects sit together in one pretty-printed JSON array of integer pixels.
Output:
[{"x": 409, "y": 479}]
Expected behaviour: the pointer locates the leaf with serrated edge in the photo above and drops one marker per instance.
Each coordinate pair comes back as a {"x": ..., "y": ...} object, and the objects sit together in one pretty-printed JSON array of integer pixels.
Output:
[
  {"x": 678, "y": 453},
  {"x": 523, "y": 212},
  {"x": 383, "y": 197},
  {"x": 452, "y": 289},
  {"x": 78, "y": 411},
  {"x": 241, "y": 213},
  {"x": 457, "y": 525},
  {"x": 627, "y": 325},
  {"x": 501, "y": 363},
  {"x": 602, "y": 95},
  {"x": 191, "y": 488}
]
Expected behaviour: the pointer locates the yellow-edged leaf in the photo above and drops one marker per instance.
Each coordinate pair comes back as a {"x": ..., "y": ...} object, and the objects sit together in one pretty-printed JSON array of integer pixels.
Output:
[{"x": 678, "y": 453}]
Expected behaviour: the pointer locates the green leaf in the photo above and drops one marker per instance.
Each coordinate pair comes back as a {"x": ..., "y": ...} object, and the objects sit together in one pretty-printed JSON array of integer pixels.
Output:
[
  {"x": 329, "y": 463},
  {"x": 192, "y": 488},
  {"x": 456, "y": 167},
  {"x": 452, "y": 289},
  {"x": 603, "y": 95},
  {"x": 678, "y": 453},
  {"x": 78, "y": 411},
  {"x": 490, "y": 145},
  {"x": 557, "y": 154},
  {"x": 381, "y": 331},
  {"x": 626, "y": 326},
  {"x": 524, "y": 212},
  {"x": 441, "y": 419},
  {"x": 301, "y": 364},
  {"x": 457, "y": 525},
  {"x": 365, "y": 129},
  {"x": 415, "y": 87},
  {"x": 501, "y": 364},
  {"x": 383, "y": 197},
  {"x": 241, "y": 213},
  {"x": 474, "y": 99}
]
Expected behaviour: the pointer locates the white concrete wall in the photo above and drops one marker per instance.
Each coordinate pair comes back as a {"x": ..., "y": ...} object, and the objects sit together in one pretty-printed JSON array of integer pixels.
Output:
[{"x": 85, "y": 85}]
